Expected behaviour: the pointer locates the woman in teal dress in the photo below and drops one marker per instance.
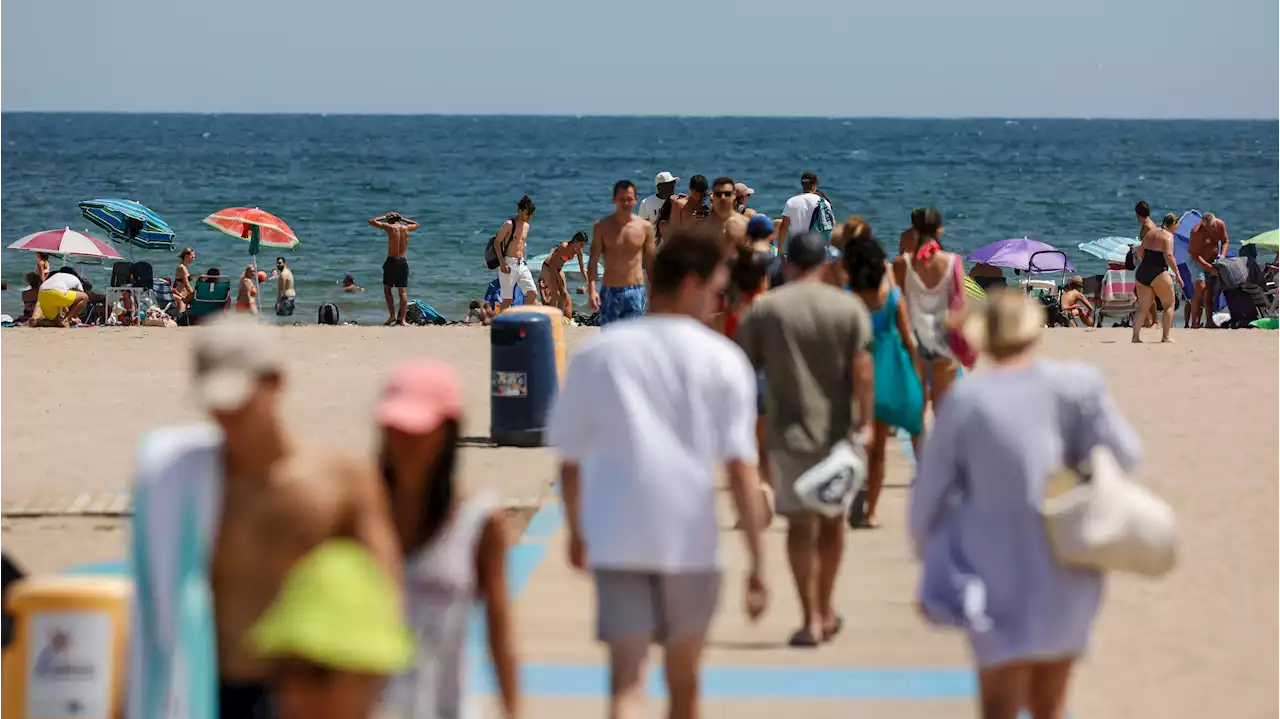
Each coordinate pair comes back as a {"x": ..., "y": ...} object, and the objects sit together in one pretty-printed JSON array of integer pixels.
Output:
[{"x": 899, "y": 393}]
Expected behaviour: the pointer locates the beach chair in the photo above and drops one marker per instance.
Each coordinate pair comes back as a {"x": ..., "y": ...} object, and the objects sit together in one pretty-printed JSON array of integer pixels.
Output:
[
  {"x": 1118, "y": 298},
  {"x": 212, "y": 296}
]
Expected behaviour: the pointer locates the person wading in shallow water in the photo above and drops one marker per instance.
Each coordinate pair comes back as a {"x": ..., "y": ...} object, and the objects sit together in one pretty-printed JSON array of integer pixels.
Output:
[{"x": 395, "y": 269}]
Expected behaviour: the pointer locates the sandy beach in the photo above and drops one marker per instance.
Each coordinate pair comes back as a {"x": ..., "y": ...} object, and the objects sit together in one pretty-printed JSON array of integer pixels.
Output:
[{"x": 75, "y": 402}]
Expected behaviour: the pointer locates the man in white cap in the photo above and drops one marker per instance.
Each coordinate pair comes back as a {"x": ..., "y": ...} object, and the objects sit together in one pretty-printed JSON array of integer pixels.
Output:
[
  {"x": 251, "y": 500},
  {"x": 651, "y": 206}
]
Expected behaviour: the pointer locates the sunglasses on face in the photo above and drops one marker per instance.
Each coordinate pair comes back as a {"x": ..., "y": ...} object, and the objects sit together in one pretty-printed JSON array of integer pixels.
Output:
[{"x": 724, "y": 193}]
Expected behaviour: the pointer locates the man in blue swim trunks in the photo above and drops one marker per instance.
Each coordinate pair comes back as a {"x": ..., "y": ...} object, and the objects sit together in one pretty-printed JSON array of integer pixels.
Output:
[{"x": 625, "y": 242}]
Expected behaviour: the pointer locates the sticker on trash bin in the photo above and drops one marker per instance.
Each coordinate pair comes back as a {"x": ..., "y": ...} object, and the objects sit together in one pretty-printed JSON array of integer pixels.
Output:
[
  {"x": 69, "y": 665},
  {"x": 510, "y": 384}
]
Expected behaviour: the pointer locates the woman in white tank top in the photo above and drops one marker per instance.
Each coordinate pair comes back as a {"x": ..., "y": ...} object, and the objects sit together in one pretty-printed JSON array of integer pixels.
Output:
[
  {"x": 455, "y": 549},
  {"x": 929, "y": 288}
]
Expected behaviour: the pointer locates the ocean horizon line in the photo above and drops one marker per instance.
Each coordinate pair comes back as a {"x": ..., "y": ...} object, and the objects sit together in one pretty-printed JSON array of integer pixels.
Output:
[{"x": 646, "y": 116}]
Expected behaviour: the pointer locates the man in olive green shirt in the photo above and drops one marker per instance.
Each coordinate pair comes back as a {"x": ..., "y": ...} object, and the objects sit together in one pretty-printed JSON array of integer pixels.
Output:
[{"x": 810, "y": 338}]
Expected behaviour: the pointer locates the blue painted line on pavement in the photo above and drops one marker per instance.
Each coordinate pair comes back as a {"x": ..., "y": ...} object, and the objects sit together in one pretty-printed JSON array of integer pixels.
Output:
[{"x": 760, "y": 682}]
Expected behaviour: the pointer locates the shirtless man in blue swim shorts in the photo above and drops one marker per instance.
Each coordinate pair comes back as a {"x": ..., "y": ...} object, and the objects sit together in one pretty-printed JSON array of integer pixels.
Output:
[{"x": 626, "y": 244}]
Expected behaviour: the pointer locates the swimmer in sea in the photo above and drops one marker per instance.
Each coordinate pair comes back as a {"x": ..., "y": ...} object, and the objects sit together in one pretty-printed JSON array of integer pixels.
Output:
[
  {"x": 349, "y": 285},
  {"x": 246, "y": 298},
  {"x": 552, "y": 275}
]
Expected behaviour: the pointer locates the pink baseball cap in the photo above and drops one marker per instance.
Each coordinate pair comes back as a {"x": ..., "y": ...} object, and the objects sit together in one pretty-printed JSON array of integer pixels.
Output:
[{"x": 420, "y": 396}]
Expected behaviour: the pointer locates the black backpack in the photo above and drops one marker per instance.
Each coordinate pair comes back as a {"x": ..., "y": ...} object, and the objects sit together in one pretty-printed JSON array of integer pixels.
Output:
[
  {"x": 328, "y": 314},
  {"x": 491, "y": 259}
]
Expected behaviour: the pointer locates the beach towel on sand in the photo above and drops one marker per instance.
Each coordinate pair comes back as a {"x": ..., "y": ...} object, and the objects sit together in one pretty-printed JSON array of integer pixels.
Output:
[{"x": 177, "y": 498}]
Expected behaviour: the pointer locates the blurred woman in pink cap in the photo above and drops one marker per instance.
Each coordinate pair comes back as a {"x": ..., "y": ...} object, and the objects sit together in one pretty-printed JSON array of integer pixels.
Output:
[{"x": 455, "y": 547}]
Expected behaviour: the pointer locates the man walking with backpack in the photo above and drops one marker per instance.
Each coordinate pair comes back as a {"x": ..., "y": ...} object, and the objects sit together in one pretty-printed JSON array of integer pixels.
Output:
[
  {"x": 509, "y": 244},
  {"x": 809, "y": 211}
]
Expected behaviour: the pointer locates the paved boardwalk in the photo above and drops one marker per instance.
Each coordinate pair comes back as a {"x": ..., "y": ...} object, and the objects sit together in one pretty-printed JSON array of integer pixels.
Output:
[{"x": 886, "y": 662}]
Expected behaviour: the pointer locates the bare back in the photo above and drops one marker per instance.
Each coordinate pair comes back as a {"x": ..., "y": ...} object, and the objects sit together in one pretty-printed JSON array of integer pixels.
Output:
[
  {"x": 397, "y": 239},
  {"x": 267, "y": 524},
  {"x": 624, "y": 248},
  {"x": 562, "y": 253},
  {"x": 1158, "y": 240}
]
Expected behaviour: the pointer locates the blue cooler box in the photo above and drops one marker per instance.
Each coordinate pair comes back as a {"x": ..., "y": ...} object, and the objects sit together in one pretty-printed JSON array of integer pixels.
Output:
[{"x": 525, "y": 376}]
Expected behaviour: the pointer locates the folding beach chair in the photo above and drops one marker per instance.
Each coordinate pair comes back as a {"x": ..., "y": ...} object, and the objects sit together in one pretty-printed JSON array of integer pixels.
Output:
[
  {"x": 212, "y": 296},
  {"x": 1118, "y": 298}
]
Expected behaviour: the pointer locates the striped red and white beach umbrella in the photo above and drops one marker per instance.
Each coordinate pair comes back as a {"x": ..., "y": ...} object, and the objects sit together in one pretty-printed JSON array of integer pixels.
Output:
[
  {"x": 66, "y": 242},
  {"x": 237, "y": 222}
]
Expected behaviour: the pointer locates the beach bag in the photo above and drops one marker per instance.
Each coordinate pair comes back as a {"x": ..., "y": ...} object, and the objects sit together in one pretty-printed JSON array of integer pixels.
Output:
[
  {"x": 1241, "y": 307},
  {"x": 328, "y": 314},
  {"x": 829, "y": 486},
  {"x": 1105, "y": 521},
  {"x": 824, "y": 218},
  {"x": 959, "y": 344},
  {"x": 899, "y": 396},
  {"x": 421, "y": 313},
  {"x": 491, "y": 258}
]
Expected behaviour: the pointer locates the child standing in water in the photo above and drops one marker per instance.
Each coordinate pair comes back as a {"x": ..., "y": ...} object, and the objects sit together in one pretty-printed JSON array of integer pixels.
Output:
[{"x": 246, "y": 298}]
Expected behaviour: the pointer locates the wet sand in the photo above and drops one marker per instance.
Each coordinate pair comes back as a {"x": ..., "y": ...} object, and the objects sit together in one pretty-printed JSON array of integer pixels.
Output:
[{"x": 1201, "y": 641}]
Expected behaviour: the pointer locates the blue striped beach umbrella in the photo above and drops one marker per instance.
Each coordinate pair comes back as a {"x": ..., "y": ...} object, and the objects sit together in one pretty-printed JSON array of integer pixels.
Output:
[
  {"x": 127, "y": 221},
  {"x": 1111, "y": 249}
]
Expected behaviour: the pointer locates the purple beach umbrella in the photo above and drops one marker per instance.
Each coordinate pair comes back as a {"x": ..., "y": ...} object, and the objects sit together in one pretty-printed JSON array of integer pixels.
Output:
[{"x": 1017, "y": 254}]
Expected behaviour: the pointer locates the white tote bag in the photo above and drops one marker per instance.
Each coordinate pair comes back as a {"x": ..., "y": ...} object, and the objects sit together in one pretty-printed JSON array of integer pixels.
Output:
[
  {"x": 1106, "y": 521},
  {"x": 828, "y": 486}
]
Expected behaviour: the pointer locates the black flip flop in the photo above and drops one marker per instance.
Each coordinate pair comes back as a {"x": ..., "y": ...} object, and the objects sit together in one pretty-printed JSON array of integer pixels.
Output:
[
  {"x": 835, "y": 629},
  {"x": 803, "y": 639}
]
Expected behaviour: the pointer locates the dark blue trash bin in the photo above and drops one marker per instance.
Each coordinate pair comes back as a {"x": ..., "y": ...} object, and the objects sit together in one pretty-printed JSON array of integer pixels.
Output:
[{"x": 524, "y": 375}]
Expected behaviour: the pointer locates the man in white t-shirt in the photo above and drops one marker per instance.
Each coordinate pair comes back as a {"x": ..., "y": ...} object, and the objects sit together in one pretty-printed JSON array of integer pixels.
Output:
[
  {"x": 658, "y": 404},
  {"x": 62, "y": 291},
  {"x": 797, "y": 214},
  {"x": 652, "y": 205}
]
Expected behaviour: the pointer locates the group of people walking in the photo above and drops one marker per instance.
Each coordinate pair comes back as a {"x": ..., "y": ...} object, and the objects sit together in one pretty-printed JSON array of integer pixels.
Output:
[
  {"x": 845, "y": 345},
  {"x": 319, "y": 573}
]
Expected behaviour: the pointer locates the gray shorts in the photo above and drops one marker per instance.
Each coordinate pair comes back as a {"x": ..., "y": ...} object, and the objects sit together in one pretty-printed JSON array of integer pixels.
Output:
[
  {"x": 664, "y": 607},
  {"x": 785, "y": 468}
]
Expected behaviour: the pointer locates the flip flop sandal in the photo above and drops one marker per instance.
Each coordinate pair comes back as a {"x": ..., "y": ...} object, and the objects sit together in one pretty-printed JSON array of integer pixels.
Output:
[
  {"x": 835, "y": 628},
  {"x": 803, "y": 639},
  {"x": 858, "y": 510}
]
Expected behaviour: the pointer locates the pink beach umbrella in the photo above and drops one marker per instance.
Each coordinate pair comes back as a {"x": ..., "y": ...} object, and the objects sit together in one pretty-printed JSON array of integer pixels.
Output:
[{"x": 66, "y": 242}]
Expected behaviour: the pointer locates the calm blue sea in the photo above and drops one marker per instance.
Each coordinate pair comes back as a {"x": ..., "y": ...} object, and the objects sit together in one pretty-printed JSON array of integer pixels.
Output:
[{"x": 1061, "y": 181}]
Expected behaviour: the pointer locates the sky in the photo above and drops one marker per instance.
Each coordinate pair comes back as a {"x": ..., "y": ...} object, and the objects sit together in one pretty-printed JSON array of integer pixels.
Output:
[{"x": 827, "y": 58}]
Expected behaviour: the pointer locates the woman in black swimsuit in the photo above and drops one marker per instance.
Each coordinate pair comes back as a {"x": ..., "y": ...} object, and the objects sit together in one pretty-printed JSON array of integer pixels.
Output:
[{"x": 1155, "y": 257}]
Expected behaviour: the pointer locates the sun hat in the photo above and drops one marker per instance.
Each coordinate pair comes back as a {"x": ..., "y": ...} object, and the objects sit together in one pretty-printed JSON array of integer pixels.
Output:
[
  {"x": 1004, "y": 323},
  {"x": 742, "y": 189},
  {"x": 664, "y": 177},
  {"x": 420, "y": 396},
  {"x": 338, "y": 608},
  {"x": 232, "y": 355}
]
